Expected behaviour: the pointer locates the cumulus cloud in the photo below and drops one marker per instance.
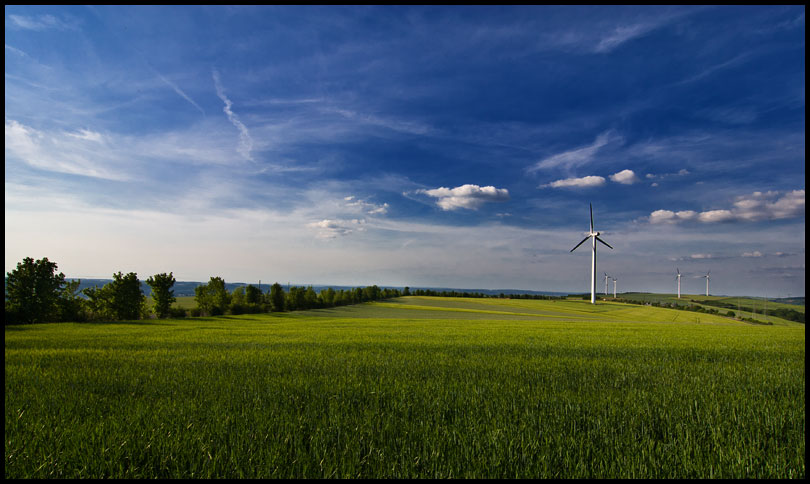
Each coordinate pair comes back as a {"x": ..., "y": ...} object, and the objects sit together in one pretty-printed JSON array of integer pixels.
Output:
[
  {"x": 668, "y": 216},
  {"x": 584, "y": 182},
  {"x": 331, "y": 229},
  {"x": 466, "y": 196},
  {"x": 625, "y": 177},
  {"x": 755, "y": 253},
  {"x": 757, "y": 206}
]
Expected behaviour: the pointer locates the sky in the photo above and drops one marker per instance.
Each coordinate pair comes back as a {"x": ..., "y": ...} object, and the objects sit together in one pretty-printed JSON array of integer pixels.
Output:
[{"x": 415, "y": 146}]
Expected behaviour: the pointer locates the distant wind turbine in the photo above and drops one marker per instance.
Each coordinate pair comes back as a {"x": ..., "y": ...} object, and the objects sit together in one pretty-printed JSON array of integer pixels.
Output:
[
  {"x": 606, "y": 279},
  {"x": 614, "y": 287},
  {"x": 707, "y": 281},
  {"x": 679, "y": 282},
  {"x": 595, "y": 236}
]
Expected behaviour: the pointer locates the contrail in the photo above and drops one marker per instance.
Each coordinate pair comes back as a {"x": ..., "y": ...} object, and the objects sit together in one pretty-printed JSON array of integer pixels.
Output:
[
  {"x": 180, "y": 92},
  {"x": 245, "y": 141}
]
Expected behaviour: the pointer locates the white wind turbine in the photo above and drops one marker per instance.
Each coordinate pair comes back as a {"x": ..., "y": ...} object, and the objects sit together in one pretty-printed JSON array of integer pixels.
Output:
[
  {"x": 595, "y": 236},
  {"x": 606, "y": 279},
  {"x": 614, "y": 287},
  {"x": 707, "y": 281},
  {"x": 679, "y": 282}
]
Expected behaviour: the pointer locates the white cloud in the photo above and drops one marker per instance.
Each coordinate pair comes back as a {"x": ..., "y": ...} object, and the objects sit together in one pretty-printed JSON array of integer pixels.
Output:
[
  {"x": 331, "y": 229},
  {"x": 584, "y": 182},
  {"x": 625, "y": 177},
  {"x": 755, "y": 253},
  {"x": 364, "y": 206},
  {"x": 713, "y": 216},
  {"x": 466, "y": 196},
  {"x": 754, "y": 207},
  {"x": 43, "y": 22},
  {"x": 86, "y": 134},
  {"x": 621, "y": 35},
  {"x": 668, "y": 216},
  {"x": 245, "y": 141},
  {"x": 59, "y": 152},
  {"x": 700, "y": 256},
  {"x": 576, "y": 157}
]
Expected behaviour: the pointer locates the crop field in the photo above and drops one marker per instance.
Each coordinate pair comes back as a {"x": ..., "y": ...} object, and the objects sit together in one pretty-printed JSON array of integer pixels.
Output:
[{"x": 414, "y": 387}]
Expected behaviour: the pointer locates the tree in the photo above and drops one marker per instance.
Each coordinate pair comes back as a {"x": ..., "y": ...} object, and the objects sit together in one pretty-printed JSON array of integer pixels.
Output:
[
  {"x": 99, "y": 303},
  {"x": 162, "y": 293},
  {"x": 71, "y": 305},
  {"x": 212, "y": 298},
  {"x": 253, "y": 295},
  {"x": 126, "y": 297},
  {"x": 33, "y": 291},
  {"x": 277, "y": 297}
]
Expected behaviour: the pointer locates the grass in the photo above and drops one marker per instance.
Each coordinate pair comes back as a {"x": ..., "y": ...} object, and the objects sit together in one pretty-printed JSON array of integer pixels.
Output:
[{"x": 415, "y": 387}]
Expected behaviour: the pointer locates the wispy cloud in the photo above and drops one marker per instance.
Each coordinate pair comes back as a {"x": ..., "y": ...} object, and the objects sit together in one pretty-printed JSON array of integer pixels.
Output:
[
  {"x": 367, "y": 207},
  {"x": 331, "y": 229},
  {"x": 576, "y": 157},
  {"x": 59, "y": 152},
  {"x": 757, "y": 206},
  {"x": 466, "y": 196},
  {"x": 245, "y": 141},
  {"x": 622, "y": 34},
  {"x": 43, "y": 22}
]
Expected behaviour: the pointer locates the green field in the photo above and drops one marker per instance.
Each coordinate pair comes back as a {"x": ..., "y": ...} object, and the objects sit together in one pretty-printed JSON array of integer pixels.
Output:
[{"x": 412, "y": 387}]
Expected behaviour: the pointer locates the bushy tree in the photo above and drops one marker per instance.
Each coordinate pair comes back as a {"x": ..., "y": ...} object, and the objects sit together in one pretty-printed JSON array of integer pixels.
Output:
[
  {"x": 33, "y": 291},
  {"x": 162, "y": 293},
  {"x": 212, "y": 298},
  {"x": 253, "y": 295},
  {"x": 99, "y": 303},
  {"x": 71, "y": 305},
  {"x": 126, "y": 297},
  {"x": 277, "y": 297}
]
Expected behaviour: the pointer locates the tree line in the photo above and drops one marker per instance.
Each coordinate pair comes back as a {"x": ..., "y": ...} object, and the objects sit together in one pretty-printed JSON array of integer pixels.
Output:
[{"x": 36, "y": 293}]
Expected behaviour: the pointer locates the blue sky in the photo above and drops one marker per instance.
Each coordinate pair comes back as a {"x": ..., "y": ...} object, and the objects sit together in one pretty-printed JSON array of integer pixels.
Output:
[{"x": 420, "y": 146}]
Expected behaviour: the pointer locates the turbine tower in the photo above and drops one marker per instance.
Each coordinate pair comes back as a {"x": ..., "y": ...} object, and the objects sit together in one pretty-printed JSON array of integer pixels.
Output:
[
  {"x": 614, "y": 287},
  {"x": 707, "y": 281},
  {"x": 606, "y": 279},
  {"x": 679, "y": 282},
  {"x": 595, "y": 236}
]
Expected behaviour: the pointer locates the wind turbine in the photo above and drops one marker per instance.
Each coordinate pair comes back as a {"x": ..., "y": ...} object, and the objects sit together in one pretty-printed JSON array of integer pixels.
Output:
[
  {"x": 595, "y": 236},
  {"x": 606, "y": 279},
  {"x": 614, "y": 287},
  {"x": 707, "y": 281},
  {"x": 679, "y": 282}
]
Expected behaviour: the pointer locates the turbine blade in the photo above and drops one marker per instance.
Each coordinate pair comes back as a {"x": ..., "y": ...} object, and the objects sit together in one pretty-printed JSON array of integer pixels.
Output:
[
  {"x": 600, "y": 240},
  {"x": 591, "y": 216},
  {"x": 583, "y": 241}
]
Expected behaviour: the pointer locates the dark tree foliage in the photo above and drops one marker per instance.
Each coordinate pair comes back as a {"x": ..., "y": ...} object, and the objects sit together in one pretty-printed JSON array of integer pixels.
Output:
[
  {"x": 162, "y": 293},
  {"x": 71, "y": 304},
  {"x": 126, "y": 297},
  {"x": 253, "y": 295},
  {"x": 212, "y": 298},
  {"x": 33, "y": 292},
  {"x": 277, "y": 297}
]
